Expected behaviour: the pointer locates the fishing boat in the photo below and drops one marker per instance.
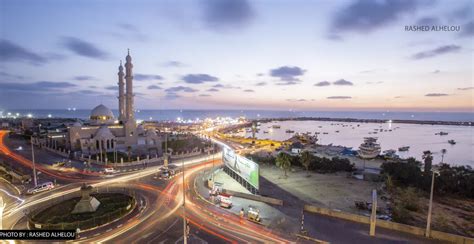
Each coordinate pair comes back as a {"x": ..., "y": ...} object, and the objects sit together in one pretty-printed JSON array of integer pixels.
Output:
[
  {"x": 290, "y": 131},
  {"x": 442, "y": 133},
  {"x": 404, "y": 148},
  {"x": 452, "y": 142},
  {"x": 276, "y": 126},
  {"x": 265, "y": 132},
  {"x": 370, "y": 148}
]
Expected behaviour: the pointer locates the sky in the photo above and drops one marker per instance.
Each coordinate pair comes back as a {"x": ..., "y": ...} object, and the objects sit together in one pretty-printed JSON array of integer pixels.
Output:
[{"x": 239, "y": 54}]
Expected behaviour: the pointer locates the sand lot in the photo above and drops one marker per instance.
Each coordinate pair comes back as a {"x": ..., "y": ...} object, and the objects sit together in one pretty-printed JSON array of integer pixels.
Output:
[{"x": 336, "y": 191}]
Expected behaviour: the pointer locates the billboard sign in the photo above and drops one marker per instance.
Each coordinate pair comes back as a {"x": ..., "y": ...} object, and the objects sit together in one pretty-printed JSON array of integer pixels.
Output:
[{"x": 245, "y": 168}]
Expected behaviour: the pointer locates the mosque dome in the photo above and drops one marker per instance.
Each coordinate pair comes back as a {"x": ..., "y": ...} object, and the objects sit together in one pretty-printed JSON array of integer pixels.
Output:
[
  {"x": 101, "y": 114},
  {"x": 140, "y": 129},
  {"x": 104, "y": 133},
  {"x": 151, "y": 132}
]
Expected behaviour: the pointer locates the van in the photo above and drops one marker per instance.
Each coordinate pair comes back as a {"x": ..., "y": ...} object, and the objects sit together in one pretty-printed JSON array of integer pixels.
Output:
[
  {"x": 225, "y": 200},
  {"x": 109, "y": 171},
  {"x": 40, "y": 188}
]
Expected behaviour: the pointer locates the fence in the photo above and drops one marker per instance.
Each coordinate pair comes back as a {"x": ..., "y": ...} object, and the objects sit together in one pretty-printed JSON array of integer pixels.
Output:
[{"x": 84, "y": 224}]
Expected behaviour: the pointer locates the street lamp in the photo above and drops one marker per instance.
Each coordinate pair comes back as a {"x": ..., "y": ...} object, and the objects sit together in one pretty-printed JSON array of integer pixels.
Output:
[
  {"x": 33, "y": 160},
  {"x": 430, "y": 208},
  {"x": 185, "y": 238}
]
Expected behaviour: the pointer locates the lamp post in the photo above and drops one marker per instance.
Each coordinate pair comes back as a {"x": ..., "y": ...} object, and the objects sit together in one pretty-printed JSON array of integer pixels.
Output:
[
  {"x": 185, "y": 238},
  {"x": 33, "y": 160},
  {"x": 430, "y": 208}
]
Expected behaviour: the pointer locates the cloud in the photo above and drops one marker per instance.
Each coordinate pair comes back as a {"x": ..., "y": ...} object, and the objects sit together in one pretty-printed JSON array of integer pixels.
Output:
[
  {"x": 172, "y": 96},
  {"x": 39, "y": 86},
  {"x": 204, "y": 95},
  {"x": 142, "y": 77},
  {"x": 467, "y": 29},
  {"x": 173, "y": 63},
  {"x": 436, "y": 52},
  {"x": 180, "y": 89},
  {"x": 213, "y": 90},
  {"x": 296, "y": 100},
  {"x": 428, "y": 21},
  {"x": 199, "y": 78},
  {"x": 287, "y": 73},
  {"x": 436, "y": 95},
  {"x": 227, "y": 14},
  {"x": 364, "y": 16},
  {"x": 342, "y": 82},
  {"x": 339, "y": 97},
  {"x": 225, "y": 86},
  {"x": 397, "y": 97},
  {"x": 466, "y": 88},
  {"x": 261, "y": 83},
  {"x": 374, "y": 83},
  {"x": 436, "y": 71},
  {"x": 322, "y": 83},
  {"x": 249, "y": 90},
  {"x": 6, "y": 75},
  {"x": 112, "y": 88},
  {"x": 153, "y": 87},
  {"x": 83, "y": 78},
  {"x": 83, "y": 48},
  {"x": 10, "y": 52}
]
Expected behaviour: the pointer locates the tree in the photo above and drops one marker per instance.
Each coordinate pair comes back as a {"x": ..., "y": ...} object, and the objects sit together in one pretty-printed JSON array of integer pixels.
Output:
[
  {"x": 443, "y": 152},
  {"x": 428, "y": 159},
  {"x": 283, "y": 161},
  {"x": 129, "y": 152},
  {"x": 306, "y": 158}
]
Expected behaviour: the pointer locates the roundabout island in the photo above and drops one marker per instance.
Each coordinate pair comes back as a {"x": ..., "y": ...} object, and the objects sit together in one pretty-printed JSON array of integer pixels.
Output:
[{"x": 86, "y": 212}]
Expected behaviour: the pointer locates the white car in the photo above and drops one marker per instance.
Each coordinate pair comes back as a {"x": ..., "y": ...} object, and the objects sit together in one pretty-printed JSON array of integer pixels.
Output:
[
  {"x": 109, "y": 170},
  {"x": 40, "y": 188}
]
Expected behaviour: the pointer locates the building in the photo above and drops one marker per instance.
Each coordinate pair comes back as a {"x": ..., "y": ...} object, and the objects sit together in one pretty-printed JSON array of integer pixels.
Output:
[{"x": 104, "y": 133}]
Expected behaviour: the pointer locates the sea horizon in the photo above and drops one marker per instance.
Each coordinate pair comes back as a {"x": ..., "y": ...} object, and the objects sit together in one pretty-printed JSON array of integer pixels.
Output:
[{"x": 192, "y": 114}]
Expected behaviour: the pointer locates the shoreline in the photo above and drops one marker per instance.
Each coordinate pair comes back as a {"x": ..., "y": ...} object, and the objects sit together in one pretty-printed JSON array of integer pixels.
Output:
[{"x": 352, "y": 120}]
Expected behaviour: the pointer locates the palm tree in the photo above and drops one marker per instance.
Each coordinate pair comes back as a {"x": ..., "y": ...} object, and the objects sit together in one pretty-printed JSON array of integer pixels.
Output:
[
  {"x": 443, "y": 152},
  {"x": 283, "y": 161},
  {"x": 428, "y": 158},
  {"x": 306, "y": 158}
]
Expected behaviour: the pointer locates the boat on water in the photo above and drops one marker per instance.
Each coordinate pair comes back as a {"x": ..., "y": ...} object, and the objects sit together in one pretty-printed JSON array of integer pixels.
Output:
[
  {"x": 370, "y": 148},
  {"x": 390, "y": 154},
  {"x": 452, "y": 142},
  {"x": 337, "y": 131},
  {"x": 290, "y": 131},
  {"x": 265, "y": 132},
  {"x": 276, "y": 126},
  {"x": 442, "y": 133},
  {"x": 325, "y": 133},
  {"x": 404, "y": 148}
]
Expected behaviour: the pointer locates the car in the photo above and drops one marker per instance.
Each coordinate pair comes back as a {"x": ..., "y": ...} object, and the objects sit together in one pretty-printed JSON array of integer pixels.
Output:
[
  {"x": 40, "y": 188},
  {"x": 109, "y": 170}
]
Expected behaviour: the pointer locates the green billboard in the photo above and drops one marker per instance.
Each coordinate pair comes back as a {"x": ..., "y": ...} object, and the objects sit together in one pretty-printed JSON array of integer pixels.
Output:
[{"x": 245, "y": 168}]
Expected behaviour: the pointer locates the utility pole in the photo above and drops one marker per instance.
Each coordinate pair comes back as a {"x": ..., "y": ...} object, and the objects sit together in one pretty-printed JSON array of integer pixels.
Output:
[
  {"x": 430, "y": 208},
  {"x": 373, "y": 216},
  {"x": 185, "y": 238},
  {"x": 33, "y": 160}
]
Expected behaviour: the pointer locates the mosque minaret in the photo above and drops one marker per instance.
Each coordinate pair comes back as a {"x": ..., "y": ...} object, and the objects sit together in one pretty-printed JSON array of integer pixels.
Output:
[
  {"x": 121, "y": 95},
  {"x": 102, "y": 133}
]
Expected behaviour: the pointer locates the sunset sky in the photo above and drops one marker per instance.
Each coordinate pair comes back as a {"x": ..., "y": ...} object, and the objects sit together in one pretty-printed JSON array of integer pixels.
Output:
[{"x": 237, "y": 54}]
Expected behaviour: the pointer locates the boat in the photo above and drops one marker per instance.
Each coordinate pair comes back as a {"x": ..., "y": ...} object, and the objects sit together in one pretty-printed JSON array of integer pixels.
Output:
[
  {"x": 452, "y": 142},
  {"x": 370, "y": 148},
  {"x": 337, "y": 131},
  {"x": 276, "y": 126},
  {"x": 265, "y": 132},
  {"x": 404, "y": 148},
  {"x": 325, "y": 133},
  {"x": 290, "y": 131},
  {"x": 442, "y": 133},
  {"x": 390, "y": 154}
]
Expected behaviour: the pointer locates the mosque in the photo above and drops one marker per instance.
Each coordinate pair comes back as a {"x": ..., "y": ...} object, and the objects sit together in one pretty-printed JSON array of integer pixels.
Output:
[{"x": 104, "y": 133}]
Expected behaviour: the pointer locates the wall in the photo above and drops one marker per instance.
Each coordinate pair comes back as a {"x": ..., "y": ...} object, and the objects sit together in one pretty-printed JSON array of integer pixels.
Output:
[{"x": 389, "y": 225}]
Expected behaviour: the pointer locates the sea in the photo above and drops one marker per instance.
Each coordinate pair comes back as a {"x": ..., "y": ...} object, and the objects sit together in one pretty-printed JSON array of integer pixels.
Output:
[
  {"x": 172, "y": 115},
  {"x": 419, "y": 137}
]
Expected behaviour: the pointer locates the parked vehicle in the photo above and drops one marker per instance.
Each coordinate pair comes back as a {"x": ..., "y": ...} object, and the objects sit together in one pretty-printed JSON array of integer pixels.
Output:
[
  {"x": 225, "y": 200},
  {"x": 109, "y": 170},
  {"x": 253, "y": 215},
  {"x": 40, "y": 188}
]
